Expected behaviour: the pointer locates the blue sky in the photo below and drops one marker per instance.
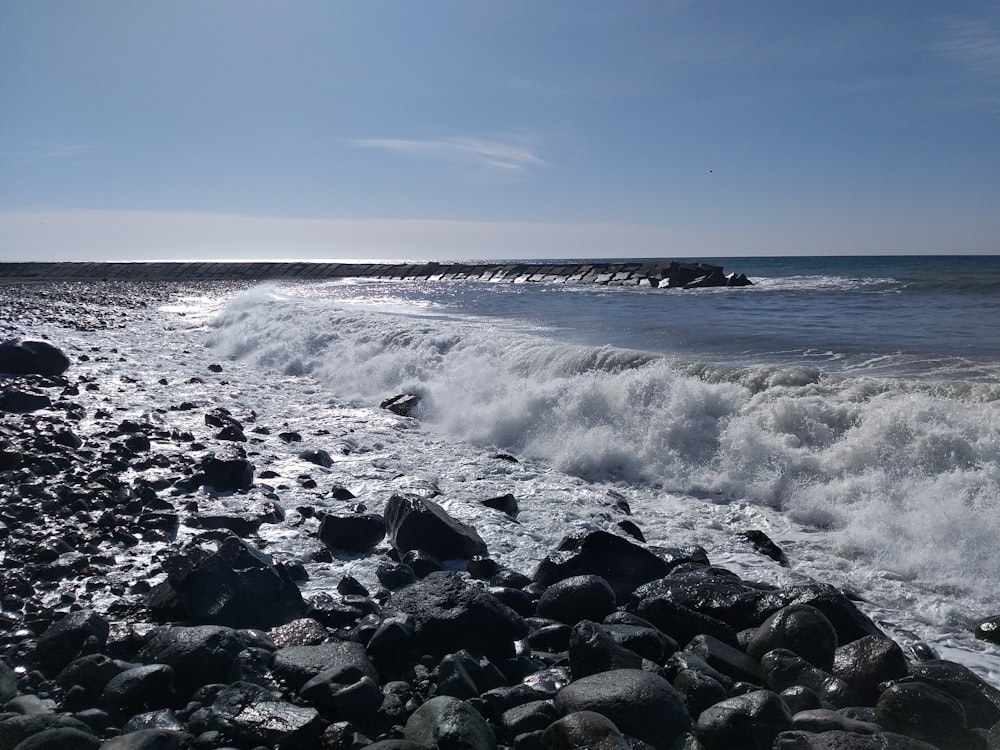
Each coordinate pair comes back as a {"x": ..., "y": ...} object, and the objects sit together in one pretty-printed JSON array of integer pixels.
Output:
[{"x": 513, "y": 128}]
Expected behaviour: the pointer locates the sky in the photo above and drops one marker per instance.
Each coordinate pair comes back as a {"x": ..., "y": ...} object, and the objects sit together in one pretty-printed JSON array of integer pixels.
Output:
[{"x": 463, "y": 129}]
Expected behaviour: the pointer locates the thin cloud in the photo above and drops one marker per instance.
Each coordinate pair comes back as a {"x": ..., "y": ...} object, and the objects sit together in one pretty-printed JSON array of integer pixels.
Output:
[
  {"x": 977, "y": 45},
  {"x": 503, "y": 156}
]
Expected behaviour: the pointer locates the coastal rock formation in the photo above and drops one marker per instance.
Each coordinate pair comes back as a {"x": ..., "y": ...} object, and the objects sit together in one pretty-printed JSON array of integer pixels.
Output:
[{"x": 27, "y": 357}]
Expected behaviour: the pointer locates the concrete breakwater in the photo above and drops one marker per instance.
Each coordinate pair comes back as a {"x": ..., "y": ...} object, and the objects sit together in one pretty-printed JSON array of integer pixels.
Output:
[{"x": 673, "y": 274}]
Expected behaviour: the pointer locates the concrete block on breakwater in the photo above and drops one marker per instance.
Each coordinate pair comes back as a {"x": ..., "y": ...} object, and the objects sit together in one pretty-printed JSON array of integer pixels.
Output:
[{"x": 672, "y": 274}]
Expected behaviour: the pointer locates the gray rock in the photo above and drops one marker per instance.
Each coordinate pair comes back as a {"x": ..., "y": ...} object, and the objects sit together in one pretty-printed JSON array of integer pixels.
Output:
[
  {"x": 449, "y": 724},
  {"x": 16, "y": 729},
  {"x": 144, "y": 688},
  {"x": 62, "y": 641},
  {"x": 868, "y": 662},
  {"x": 150, "y": 739},
  {"x": 344, "y": 693},
  {"x": 60, "y": 739},
  {"x": 824, "y": 720},
  {"x": 252, "y": 715},
  {"x": 639, "y": 703}
]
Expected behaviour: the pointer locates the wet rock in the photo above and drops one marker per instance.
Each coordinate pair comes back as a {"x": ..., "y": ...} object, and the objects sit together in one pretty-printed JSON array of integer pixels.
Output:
[
  {"x": 296, "y": 665},
  {"x": 824, "y": 720},
  {"x": 317, "y": 456},
  {"x": 980, "y": 700},
  {"x": 344, "y": 692},
  {"x": 405, "y": 404},
  {"x": 445, "y": 722},
  {"x": 867, "y": 662},
  {"x": 681, "y": 623},
  {"x": 584, "y": 730},
  {"x": 450, "y": 614},
  {"x": 394, "y": 575},
  {"x": 199, "y": 655},
  {"x": 60, "y": 739},
  {"x": 240, "y": 524},
  {"x": 16, "y": 729},
  {"x": 304, "y": 631},
  {"x": 18, "y": 401},
  {"x": 763, "y": 544},
  {"x": 623, "y": 564},
  {"x": 592, "y": 650},
  {"x": 418, "y": 523},
  {"x": 639, "y": 703},
  {"x": 783, "y": 669},
  {"x": 89, "y": 674},
  {"x": 988, "y": 629},
  {"x": 840, "y": 740},
  {"x": 928, "y": 714},
  {"x": 352, "y": 532},
  {"x": 29, "y": 357},
  {"x": 226, "y": 470},
  {"x": 420, "y": 562},
  {"x": 504, "y": 503},
  {"x": 8, "y": 682},
  {"x": 64, "y": 639},
  {"x": 698, "y": 690},
  {"x": 150, "y": 739},
  {"x": 726, "y": 659},
  {"x": 252, "y": 715},
  {"x": 750, "y": 721},
  {"x": 235, "y": 586},
  {"x": 144, "y": 688},
  {"x": 648, "y": 642},
  {"x": 585, "y": 597},
  {"x": 802, "y": 629},
  {"x": 534, "y": 716}
]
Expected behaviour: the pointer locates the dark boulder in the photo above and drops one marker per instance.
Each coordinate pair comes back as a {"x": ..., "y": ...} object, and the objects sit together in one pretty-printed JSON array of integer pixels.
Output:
[
  {"x": 867, "y": 662},
  {"x": 150, "y": 739},
  {"x": 252, "y": 715},
  {"x": 534, "y": 716},
  {"x": 352, "y": 532},
  {"x": 586, "y": 597},
  {"x": 584, "y": 730},
  {"x": 783, "y": 669},
  {"x": 802, "y": 629},
  {"x": 139, "y": 689},
  {"x": 763, "y": 544},
  {"x": 17, "y": 728},
  {"x": 449, "y": 614},
  {"x": 622, "y": 563},
  {"x": 236, "y": 586},
  {"x": 64, "y": 738},
  {"x": 446, "y": 722},
  {"x": 64, "y": 639},
  {"x": 988, "y": 629},
  {"x": 639, "y": 703},
  {"x": 345, "y": 692},
  {"x": 27, "y": 357},
  {"x": 925, "y": 713},
  {"x": 504, "y": 503},
  {"x": 296, "y": 665},
  {"x": 979, "y": 699},
  {"x": 646, "y": 641},
  {"x": 199, "y": 655},
  {"x": 591, "y": 650},
  {"x": 681, "y": 623},
  {"x": 317, "y": 456},
  {"x": 698, "y": 690},
  {"x": 18, "y": 401},
  {"x": 839, "y": 740},
  {"x": 727, "y": 659},
  {"x": 750, "y": 721},
  {"x": 418, "y": 523}
]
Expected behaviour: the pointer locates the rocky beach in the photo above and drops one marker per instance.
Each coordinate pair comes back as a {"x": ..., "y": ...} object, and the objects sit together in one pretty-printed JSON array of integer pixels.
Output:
[{"x": 184, "y": 568}]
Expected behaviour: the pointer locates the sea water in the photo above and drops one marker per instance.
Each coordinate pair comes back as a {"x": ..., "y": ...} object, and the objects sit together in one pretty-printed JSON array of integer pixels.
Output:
[{"x": 849, "y": 407}]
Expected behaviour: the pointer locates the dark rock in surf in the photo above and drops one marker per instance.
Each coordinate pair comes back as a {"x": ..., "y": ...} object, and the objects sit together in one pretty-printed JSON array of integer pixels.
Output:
[
  {"x": 319, "y": 457},
  {"x": 449, "y": 614},
  {"x": 226, "y": 470},
  {"x": 988, "y": 629},
  {"x": 639, "y": 703},
  {"x": 623, "y": 564},
  {"x": 504, "y": 503},
  {"x": 979, "y": 699},
  {"x": 416, "y": 523},
  {"x": 28, "y": 357},
  {"x": 405, "y": 404},
  {"x": 236, "y": 586},
  {"x": 352, "y": 532},
  {"x": 762, "y": 543}
]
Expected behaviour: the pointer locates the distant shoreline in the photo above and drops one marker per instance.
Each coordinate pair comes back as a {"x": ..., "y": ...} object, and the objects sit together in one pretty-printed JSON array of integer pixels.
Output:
[{"x": 666, "y": 273}]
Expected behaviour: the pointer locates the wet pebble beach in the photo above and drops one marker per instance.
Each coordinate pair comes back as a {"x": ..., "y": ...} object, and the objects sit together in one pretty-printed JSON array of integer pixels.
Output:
[{"x": 193, "y": 558}]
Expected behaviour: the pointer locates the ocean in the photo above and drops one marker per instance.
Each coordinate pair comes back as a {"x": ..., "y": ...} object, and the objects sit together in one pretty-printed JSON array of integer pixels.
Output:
[{"x": 847, "y": 407}]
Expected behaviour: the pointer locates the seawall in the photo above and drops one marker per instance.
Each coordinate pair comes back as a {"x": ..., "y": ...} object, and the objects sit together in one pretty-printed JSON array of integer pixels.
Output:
[{"x": 671, "y": 274}]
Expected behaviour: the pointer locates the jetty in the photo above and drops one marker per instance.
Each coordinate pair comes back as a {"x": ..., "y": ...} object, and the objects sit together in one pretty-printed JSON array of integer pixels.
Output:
[{"x": 659, "y": 273}]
